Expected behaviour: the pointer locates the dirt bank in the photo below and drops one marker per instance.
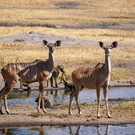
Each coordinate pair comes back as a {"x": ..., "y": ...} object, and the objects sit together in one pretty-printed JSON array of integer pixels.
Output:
[{"x": 123, "y": 113}]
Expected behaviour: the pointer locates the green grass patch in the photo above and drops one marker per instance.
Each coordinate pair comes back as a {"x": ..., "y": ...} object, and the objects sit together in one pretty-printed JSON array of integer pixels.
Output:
[{"x": 36, "y": 114}]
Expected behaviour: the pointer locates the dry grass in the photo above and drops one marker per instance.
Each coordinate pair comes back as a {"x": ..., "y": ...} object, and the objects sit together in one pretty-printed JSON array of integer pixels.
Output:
[
  {"x": 123, "y": 109},
  {"x": 93, "y": 8},
  {"x": 70, "y": 57},
  {"x": 23, "y": 3},
  {"x": 122, "y": 73},
  {"x": 87, "y": 12},
  {"x": 45, "y": 12}
]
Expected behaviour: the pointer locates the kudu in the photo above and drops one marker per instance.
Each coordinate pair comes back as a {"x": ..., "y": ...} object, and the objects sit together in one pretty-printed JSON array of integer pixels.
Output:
[
  {"x": 55, "y": 75},
  {"x": 93, "y": 78},
  {"x": 37, "y": 71}
]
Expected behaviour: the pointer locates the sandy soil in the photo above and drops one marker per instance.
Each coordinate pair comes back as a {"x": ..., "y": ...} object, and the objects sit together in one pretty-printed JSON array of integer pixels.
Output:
[{"x": 22, "y": 115}]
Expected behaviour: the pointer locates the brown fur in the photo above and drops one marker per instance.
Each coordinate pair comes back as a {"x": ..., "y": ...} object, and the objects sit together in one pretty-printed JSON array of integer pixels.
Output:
[
  {"x": 93, "y": 78},
  {"x": 36, "y": 71}
]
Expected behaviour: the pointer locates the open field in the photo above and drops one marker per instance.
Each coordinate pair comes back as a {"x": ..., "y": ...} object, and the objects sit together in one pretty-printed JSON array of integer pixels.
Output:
[
  {"x": 69, "y": 12},
  {"x": 93, "y": 20}
]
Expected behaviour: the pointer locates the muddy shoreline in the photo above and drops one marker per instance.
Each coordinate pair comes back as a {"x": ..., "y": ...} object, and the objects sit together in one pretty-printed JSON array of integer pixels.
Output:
[
  {"x": 41, "y": 124},
  {"x": 22, "y": 116}
]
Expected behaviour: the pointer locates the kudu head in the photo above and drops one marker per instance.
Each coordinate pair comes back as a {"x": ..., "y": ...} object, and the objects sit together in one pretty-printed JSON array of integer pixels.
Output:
[
  {"x": 108, "y": 48},
  {"x": 51, "y": 46},
  {"x": 61, "y": 68}
]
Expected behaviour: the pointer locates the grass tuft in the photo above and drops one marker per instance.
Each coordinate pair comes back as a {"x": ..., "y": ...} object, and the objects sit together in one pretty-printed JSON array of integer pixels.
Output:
[{"x": 36, "y": 114}]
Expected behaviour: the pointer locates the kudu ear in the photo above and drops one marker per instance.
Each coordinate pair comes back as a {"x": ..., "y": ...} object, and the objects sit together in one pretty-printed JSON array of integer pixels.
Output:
[
  {"x": 101, "y": 44},
  {"x": 45, "y": 42},
  {"x": 114, "y": 45},
  {"x": 58, "y": 43}
]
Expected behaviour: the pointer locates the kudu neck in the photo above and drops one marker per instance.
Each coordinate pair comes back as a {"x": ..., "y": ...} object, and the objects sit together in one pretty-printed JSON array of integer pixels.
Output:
[
  {"x": 51, "y": 60},
  {"x": 107, "y": 64},
  {"x": 50, "y": 55}
]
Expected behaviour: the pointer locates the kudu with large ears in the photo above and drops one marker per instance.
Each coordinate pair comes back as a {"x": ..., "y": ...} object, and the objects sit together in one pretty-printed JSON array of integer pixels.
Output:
[
  {"x": 114, "y": 45},
  {"x": 57, "y": 43},
  {"x": 93, "y": 78},
  {"x": 36, "y": 71}
]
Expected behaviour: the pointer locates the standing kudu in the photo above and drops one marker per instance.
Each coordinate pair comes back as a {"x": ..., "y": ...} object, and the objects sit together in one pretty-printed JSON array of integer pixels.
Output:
[
  {"x": 37, "y": 71},
  {"x": 93, "y": 78},
  {"x": 55, "y": 75}
]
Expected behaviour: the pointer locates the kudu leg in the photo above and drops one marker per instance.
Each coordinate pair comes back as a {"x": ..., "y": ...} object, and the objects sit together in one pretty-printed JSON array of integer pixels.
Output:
[
  {"x": 1, "y": 94},
  {"x": 21, "y": 86},
  {"x": 76, "y": 98},
  {"x": 41, "y": 88},
  {"x": 5, "y": 102},
  {"x": 51, "y": 81},
  {"x": 0, "y": 107},
  {"x": 70, "y": 102},
  {"x": 98, "y": 100},
  {"x": 47, "y": 83},
  {"x": 56, "y": 85},
  {"x": 39, "y": 102},
  {"x": 105, "y": 91},
  {"x": 5, "y": 94}
]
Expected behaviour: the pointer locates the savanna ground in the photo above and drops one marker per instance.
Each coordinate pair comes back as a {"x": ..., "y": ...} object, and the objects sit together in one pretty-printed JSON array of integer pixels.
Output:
[{"x": 97, "y": 20}]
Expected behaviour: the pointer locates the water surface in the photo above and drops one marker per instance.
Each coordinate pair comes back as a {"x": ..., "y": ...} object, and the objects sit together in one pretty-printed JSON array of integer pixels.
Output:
[
  {"x": 24, "y": 98},
  {"x": 72, "y": 130}
]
